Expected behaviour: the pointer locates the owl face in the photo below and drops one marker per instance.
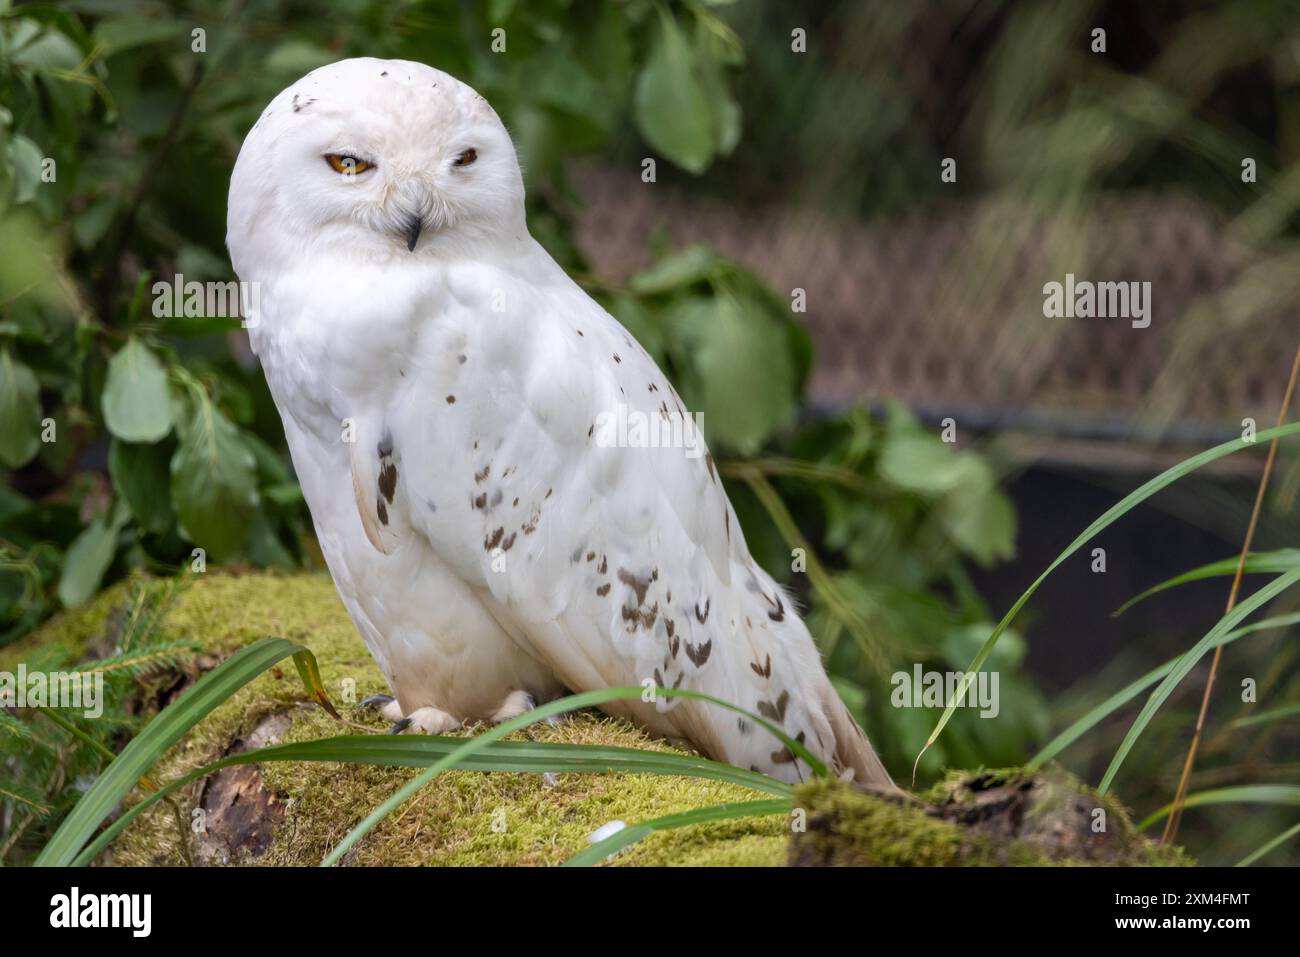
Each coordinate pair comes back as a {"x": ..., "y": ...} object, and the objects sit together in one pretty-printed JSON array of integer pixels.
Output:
[{"x": 379, "y": 158}]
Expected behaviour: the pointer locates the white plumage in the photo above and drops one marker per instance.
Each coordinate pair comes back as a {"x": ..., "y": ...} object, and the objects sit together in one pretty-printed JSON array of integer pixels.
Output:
[{"x": 440, "y": 380}]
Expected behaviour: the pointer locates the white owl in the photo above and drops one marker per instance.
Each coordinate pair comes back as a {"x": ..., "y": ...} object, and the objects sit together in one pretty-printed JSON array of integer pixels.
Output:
[{"x": 440, "y": 380}]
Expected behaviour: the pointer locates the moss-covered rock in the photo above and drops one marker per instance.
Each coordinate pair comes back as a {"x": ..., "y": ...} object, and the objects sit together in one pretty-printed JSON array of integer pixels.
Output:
[
  {"x": 294, "y": 813},
  {"x": 990, "y": 818}
]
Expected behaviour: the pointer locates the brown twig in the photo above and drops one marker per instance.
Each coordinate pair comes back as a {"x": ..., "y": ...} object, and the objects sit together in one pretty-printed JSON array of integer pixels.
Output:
[{"x": 1176, "y": 812}]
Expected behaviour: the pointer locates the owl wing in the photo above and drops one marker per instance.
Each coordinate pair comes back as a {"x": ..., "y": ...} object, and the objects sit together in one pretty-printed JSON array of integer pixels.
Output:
[{"x": 548, "y": 461}]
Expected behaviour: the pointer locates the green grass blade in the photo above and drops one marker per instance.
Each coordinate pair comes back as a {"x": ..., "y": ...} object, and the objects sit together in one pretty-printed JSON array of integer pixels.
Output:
[
  {"x": 583, "y": 700},
  {"x": 421, "y": 751},
  {"x": 1279, "y": 561},
  {"x": 1278, "y": 841},
  {"x": 1186, "y": 663},
  {"x": 1130, "y": 691},
  {"x": 1109, "y": 517},
  {"x": 636, "y": 832},
  {"x": 152, "y": 742},
  {"x": 1285, "y": 794},
  {"x": 1270, "y": 714}
]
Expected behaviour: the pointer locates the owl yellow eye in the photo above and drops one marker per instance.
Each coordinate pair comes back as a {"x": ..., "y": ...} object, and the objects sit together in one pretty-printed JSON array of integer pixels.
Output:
[
  {"x": 345, "y": 164},
  {"x": 467, "y": 157}
]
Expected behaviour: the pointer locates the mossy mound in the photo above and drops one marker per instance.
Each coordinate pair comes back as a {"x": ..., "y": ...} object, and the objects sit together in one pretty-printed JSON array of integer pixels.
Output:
[
  {"x": 990, "y": 818},
  {"x": 294, "y": 813}
]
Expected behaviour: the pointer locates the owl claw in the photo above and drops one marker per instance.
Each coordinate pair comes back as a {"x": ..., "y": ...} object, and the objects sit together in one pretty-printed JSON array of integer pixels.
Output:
[
  {"x": 400, "y": 726},
  {"x": 376, "y": 700}
]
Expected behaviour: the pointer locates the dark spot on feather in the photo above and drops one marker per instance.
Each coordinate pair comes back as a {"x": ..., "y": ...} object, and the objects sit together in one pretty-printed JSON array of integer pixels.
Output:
[
  {"x": 515, "y": 503},
  {"x": 764, "y": 670},
  {"x": 708, "y": 460},
  {"x": 480, "y": 476},
  {"x": 743, "y": 725},
  {"x": 603, "y": 590},
  {"x": 505, "y": 545},
  {"x": 616, "y": 358},
  {"x": 785, "y": 755},
  {"x": 388, "y": 480},
  {"x": 779, "y": 613},
  {"x": 774, "y": 712},
  {"x": 451, "y": 400},
  {"x": 703, "y": 616},
  {"x": 460, "y": 359},
  {"x": 493, "y": 540},
  {"x": 591, "y": 556},
  {"x": 638, "y": 585},
  {"x": 699, "y": 653},
  {"x": 382, "y": 511},
  {"x": 591, "y": 430},
  {"x": 603, "y": 568},
  {"x": 481, "y": 500}
]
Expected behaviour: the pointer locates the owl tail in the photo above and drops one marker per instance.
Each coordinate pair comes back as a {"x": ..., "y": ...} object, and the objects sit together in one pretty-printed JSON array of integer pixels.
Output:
[{"x": 852, "y": 749}]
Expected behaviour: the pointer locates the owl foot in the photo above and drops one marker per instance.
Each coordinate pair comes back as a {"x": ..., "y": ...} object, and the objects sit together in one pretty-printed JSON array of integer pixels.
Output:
[
  {"x": 516, "y": 703},
  {"x": 386, "y": 704},
  {"x": 426, "y": 721}
]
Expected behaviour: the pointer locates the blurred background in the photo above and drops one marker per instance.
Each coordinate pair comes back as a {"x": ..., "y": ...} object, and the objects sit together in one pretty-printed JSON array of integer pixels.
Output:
[{"x": 907, "y": 439}]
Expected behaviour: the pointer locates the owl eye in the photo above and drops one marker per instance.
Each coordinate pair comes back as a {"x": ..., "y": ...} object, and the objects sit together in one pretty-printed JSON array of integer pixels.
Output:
[
  {"x": 465, "y": 158},
  {"x": 347, "y": 165}
]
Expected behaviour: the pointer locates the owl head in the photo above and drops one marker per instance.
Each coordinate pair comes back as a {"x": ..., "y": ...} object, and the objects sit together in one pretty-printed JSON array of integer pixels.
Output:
[{"x": 377, "y": 158}]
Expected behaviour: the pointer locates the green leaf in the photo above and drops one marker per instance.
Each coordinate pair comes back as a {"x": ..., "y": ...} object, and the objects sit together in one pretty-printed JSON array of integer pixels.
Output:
[
  {"x": 919, "y": 462},
  {"x": 142, "y": 478},
  {"x": 20, "y": 412},
  {"x": 1285, "y": 794},
  {"x": 136, "y": 403},
  {"x": 1276, "y": 842},
  {"x": 682, "y": 268},
  {"x": 27, "y": 159},
  {"x": 422, "y": 751},
  {"x": 1279, "y": 561},
  {"x": 123, "y": 33},
  {"x": 1108, "y": 518},
  {"x": 1186, "y": 663},
  {"x": 572, "y": 702},
  {"x": 743, "y": 377},
  {"x": 213, "y": 481},
  {"x": 147, "y": 747},
  {"x": 671, "y": 104},
  {"x": 1130, "y": 691},
  {"x": 701, "y": 815},
  {"x": 981, "y": 520},
  {"x": 89, "y": 556}
]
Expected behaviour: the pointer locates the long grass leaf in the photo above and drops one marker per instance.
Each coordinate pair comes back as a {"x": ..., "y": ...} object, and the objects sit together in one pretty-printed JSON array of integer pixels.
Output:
[
  {"x": 144, "y": 750},
  {"x": 1282, "y": 560},
  {"x": 702, "y": 815},
  {"x": 1130, "y": 691},
  {"x": 1109, "y": 517},
  {"x": 1186, "y": 663},
  {"x": 1285, "y": 794},
  {"x": 1276, "y": 842},
  {"x": 583, "y": 700},
  {"x": 421, "y": 751}
]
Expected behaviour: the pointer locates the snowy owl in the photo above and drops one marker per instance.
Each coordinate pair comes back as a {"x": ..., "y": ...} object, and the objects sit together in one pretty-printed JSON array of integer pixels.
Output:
[{"x": 440, "y": 379}]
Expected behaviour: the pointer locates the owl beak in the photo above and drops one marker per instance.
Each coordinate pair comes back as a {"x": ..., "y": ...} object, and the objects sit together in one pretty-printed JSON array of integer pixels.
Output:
[{"x": 413, "y": 232}]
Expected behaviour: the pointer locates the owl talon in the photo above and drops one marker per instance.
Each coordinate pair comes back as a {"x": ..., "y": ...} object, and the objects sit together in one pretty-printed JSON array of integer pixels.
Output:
[
  {"x": 376, "y": 700},
  {"x": 400, "y": 726}
]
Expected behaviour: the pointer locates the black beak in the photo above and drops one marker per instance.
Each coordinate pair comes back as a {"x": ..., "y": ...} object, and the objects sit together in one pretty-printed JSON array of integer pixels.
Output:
[{"x": 413, "y": 233}]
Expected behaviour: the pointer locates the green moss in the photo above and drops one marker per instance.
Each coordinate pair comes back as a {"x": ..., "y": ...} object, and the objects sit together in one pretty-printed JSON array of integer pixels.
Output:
[
  {"x": 461, "y": 818},
  {"x": 986, "y": 818}
]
